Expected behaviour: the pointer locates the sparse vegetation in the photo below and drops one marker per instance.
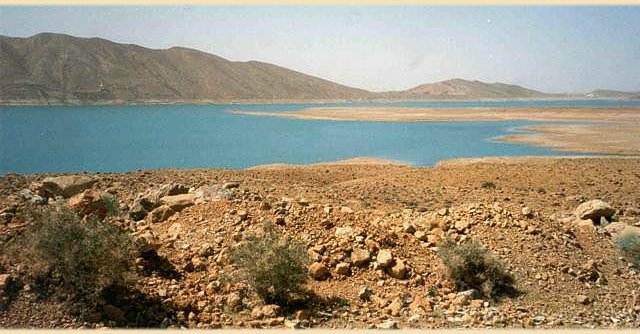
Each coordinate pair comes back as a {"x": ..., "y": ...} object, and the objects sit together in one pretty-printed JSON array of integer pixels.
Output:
[
  {"x": 470, "y": 266},
  {"x": 84, "y": 257},
  {"x": 629, "y": 246},
  {"x": 273, "y": 264},
  {"x": 488, "y": 185},
  {"x": 112, "y": 205}
]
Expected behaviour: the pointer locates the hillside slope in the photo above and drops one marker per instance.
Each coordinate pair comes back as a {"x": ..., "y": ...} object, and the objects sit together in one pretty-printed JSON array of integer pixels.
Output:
[{"x": 58, "y": 68}]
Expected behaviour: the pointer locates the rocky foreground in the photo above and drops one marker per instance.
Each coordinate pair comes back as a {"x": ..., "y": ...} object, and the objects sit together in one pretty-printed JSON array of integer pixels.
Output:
[{"x": 371, "y": 232}]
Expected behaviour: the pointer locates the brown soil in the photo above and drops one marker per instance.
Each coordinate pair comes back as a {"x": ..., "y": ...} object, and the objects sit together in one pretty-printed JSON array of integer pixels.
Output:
[{"x": 552, "y": 261}]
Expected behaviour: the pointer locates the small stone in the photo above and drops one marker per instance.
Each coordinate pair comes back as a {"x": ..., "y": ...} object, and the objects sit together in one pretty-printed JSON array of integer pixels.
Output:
[
  {"x": 408, "y": 228},
  {"x": 527, "y": 212},
  {"x": 318, "y": 271},
  {"x": 462, "y": 225},
  {"x": 346, "y": 209},
  {"x": 582, "y": 299},
  {"x": 360, "y": 257},
  {"x": 384, "y": 258},
  {"x": 114, "y": 313},
  {"x": 303, "y": 201},
  {"x": 399, "y": 270},
  {"x": 421, "y": 235},
  {"x": 389, "y": 324},
  {"x": 343, "y": 268},
  {"x": 365, "y": 294},
  {"x": 344, "y": 232},
  {"x": 231, "y": 185}
]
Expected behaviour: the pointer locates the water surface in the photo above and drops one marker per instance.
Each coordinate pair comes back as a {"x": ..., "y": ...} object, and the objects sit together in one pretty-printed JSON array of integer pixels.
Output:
[{"x": 126, "y": 138}]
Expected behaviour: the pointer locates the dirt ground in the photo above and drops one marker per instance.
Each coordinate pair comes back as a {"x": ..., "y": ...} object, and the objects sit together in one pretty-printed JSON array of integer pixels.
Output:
[{"x": 566, "y": 274}]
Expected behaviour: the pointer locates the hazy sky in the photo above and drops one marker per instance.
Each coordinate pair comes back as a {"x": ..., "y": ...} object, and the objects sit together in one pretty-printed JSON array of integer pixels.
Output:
[{"x": 553, "y": 49}]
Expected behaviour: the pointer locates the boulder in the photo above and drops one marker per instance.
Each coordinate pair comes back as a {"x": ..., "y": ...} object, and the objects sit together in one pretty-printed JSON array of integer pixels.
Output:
[
  {"x": 384, "y": 258},
  {"x": 318, "y": 271},
  {"x": 178, "y": 202},
  {"x": 615, "y": 229},
  {"x": 137, "y": 211},
  {"x": 146, "y": 242},
  {"x": 161, "y": 213},
  {"x": 88, "y": 203},
  {"x": 66, "y": 186},
  {"x": 212, "y": 193},
  {"x": 360, "y": 257},
  {"x": 594, "y": 209}
]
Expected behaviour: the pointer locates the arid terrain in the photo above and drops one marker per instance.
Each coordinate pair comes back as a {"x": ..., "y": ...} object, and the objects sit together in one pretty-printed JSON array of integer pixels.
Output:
[
  {"x": 352, "y": 216},
  {"x": 598, "y": 130}
]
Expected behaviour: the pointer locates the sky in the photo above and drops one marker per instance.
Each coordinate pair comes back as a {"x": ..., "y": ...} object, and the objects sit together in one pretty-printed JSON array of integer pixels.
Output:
[{"x": 379, "y": 48}]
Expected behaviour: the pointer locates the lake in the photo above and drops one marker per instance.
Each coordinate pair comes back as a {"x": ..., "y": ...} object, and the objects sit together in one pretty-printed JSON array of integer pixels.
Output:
[{"x": 126, "y": 138}]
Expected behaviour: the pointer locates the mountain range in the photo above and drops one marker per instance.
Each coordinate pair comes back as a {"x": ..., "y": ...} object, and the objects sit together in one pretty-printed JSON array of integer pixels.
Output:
[{"x": 53, "y": 68}]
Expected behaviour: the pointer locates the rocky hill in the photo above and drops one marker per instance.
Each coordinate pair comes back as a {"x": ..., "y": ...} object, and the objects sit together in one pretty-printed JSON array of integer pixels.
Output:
[
  {"x": 613, "y": 94},
  {"x": 53, "y": 68},
  {"x": 466, "y": 89},
  {"x": 58, "y": 68}
]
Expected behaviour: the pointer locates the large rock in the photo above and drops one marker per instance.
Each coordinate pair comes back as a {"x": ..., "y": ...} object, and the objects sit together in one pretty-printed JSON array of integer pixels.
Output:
[
  {"x": 66, "y": 186},
  {"x": 150, "y": 200},
  {"x": 88, "y": 203},
  {"x": 161, "y": 213},
  {"x": 178, "y": 202},
  {"x": 594, "y": 209},
  {"x": 212, "y": 193},
  {"x": 154, "y": 195},
  {"x": 146, "y": 242}
]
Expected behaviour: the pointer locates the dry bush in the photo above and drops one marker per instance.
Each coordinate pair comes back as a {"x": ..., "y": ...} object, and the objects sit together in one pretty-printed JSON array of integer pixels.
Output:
[
  {"x": 470, "y": 266},
  {"x": 83, "y": 256},
  {"x": 273, "y": 264}
]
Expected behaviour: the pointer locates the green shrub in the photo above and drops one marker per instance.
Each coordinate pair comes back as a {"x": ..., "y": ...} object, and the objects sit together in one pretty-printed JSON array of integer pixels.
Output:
[
  {"x": 112, "y": 205},
  {"x": 470, "y": 266},
  {"x": 273, "y": 264},
  {"x": 83, "y": 256},
  {"x": 629, "y": 246},
  {"x": 488, "y": 185}
]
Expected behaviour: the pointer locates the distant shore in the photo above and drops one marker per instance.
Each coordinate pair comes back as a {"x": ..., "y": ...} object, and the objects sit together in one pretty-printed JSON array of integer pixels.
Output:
[
  {"x": 285, "y": 101},
  {"x": 612, "y": 130}
]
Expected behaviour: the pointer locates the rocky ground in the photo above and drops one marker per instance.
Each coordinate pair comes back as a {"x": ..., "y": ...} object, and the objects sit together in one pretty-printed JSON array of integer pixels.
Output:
[{"x": 371, "y": 232}]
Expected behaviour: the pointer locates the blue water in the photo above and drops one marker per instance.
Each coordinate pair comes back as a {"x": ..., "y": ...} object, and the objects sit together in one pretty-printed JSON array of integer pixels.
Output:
[{"x": 126, "y": 138}]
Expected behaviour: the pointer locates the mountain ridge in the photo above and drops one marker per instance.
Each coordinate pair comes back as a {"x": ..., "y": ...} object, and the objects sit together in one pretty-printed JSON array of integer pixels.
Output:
[{"x": 52, "y": 68}]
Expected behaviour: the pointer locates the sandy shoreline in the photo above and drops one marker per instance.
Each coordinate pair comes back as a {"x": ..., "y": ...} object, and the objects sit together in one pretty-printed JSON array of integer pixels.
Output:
[{"x": 614, "y": 130}]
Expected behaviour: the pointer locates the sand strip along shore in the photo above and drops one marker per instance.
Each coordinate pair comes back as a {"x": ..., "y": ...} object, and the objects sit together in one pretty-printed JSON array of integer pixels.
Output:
[{"x": 615, "y": 130}]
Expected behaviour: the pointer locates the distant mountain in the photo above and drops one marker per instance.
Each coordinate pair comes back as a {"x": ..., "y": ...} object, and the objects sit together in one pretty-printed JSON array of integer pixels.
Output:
[
  {"x": 466, "y": 89},
  {"x": 613, "y": 94},
  {"x": 58, "y": 68}
]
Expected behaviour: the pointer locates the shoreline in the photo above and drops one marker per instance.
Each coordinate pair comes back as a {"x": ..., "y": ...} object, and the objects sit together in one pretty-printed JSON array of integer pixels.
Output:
[
  {"x": 610, "y": 130},
  {"x": 252, "y": 102},
  {"x": 355, "y": 162}
]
